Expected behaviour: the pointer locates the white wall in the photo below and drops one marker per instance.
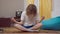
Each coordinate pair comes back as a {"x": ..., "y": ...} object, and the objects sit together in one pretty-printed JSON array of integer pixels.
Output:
[
  {"x": 56, "y": 8},
  {"x": 9, "y": 7}
]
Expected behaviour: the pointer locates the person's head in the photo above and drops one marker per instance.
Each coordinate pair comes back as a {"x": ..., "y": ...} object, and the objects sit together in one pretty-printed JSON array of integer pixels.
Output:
[{"x": 31, "y": 10}]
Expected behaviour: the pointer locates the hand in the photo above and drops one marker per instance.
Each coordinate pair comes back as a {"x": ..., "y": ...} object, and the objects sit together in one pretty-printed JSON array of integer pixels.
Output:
[
  {"x": 42, "y": 18},
  {"x": 19, "y": 23}
]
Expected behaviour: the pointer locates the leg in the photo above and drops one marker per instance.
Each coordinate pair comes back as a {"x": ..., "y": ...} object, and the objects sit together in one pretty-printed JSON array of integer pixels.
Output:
[
  {"x": 20, "y": 27},
  {"x": 36, "y": 26},
  {"x": 23, "y": 28}
]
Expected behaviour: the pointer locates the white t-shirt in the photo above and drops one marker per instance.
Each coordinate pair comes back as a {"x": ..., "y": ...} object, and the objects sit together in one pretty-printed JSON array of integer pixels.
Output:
[{"x": 27, "y": 21}]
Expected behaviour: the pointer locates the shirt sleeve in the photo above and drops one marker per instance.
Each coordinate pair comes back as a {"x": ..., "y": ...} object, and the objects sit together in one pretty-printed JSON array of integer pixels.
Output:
[{"x": 22, "y": 16}]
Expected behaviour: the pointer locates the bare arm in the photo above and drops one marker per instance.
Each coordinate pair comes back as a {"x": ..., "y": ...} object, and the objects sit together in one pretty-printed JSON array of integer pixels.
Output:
[
  {"x": 38, "y": 25},
  {"x": 16, "y": 21},
  {"x": 42, "y": 19}
]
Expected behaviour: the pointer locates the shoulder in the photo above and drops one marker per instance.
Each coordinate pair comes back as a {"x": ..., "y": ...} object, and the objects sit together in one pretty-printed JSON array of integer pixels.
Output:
[
  {"x": 24, "y": 13},
  {"x": 37, "y": 15}
]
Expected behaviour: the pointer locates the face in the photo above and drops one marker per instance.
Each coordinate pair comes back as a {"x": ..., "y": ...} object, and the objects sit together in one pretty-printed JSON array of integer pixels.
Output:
[{"x": 31, "y": 10}]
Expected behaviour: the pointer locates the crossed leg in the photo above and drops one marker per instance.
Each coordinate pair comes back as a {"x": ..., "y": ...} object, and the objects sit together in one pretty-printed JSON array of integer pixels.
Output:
[
  {"x": 34, "y": 28},
  {"x": 37, "y": 26}
]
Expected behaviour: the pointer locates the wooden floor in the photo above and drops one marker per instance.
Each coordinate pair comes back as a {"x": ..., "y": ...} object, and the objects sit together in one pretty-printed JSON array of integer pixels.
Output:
[
  {"x": 29, "y": 33},
  {"x": 14, "y": 31}
]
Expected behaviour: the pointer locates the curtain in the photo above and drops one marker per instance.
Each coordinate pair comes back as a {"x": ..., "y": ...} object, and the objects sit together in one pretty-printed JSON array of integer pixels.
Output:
[
  {"x": 45, "y": 7},
  {"x": 30, "y": 2}
]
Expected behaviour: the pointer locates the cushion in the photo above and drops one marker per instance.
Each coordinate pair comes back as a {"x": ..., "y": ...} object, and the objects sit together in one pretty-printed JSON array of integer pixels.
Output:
[{"x": 52, "y": 23}]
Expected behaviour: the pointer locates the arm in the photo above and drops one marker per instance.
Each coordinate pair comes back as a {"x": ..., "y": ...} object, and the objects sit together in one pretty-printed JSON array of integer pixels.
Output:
[
  {"x": 38, "y": 25},
  {"x": 16, "y": 21},
  {"x": 42, "y": 19}
]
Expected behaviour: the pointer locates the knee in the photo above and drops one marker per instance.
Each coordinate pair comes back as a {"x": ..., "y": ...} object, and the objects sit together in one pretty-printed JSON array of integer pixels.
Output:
[
  {"x": 16, "y": 25},
  {"x": 39, "y": 24}
]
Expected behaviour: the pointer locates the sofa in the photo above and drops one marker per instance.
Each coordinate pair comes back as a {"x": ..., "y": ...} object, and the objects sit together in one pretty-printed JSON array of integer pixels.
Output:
[{"x": 5, "y": 22}]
